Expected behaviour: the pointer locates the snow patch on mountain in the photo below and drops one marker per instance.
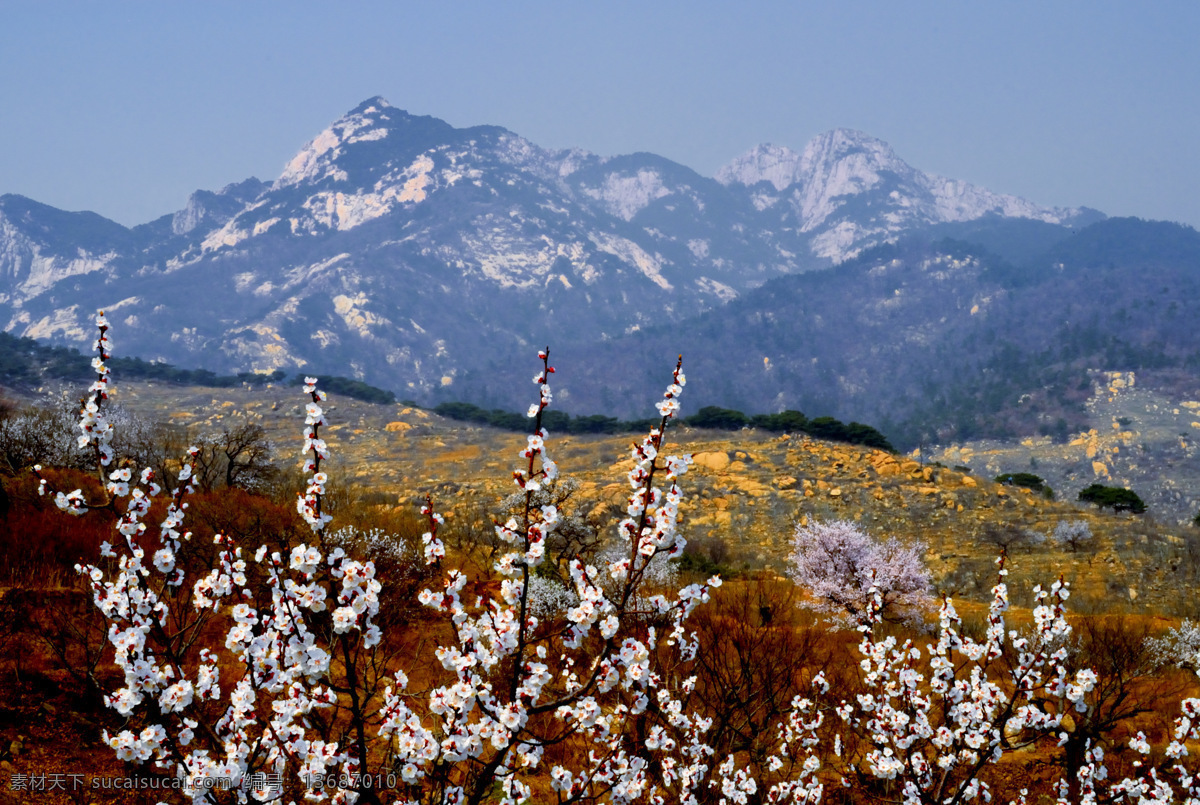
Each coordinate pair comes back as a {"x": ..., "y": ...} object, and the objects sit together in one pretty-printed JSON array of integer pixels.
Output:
[
  {"x": 353, "y": 312},
  {"x": 189, "y": 217},
  {"x": 762, "y": 201},
  {"x": 511, "y": 149},
  {"x": 956, "y": 200},
  {"x": 261, "y": 347},
  {"x": 718, "y": 289},
  {"x": 303, "y": 275},
  {"x": 315, "y": 161},
  {"x": 571, "y": 161},
  {"x": 34, "y": 271},
  {"x": 64, "y": 323},
  {"x": 625, "y": 195},
  {"x": 263, "y": 226},
  {"x": 366, "y": 137},
  {"x": 307, "y": 164},
  {"x": 46, "y": 270},
  {"x": 325, "y": 338},
  {"x": 228, "y": 235},
  {"x": 231, "y": 234},
  {"x": 629, "y": 252},
  {"x": 243, "y": 281},
  {"x": 503, "y": 252},
  {"x": 838, "y": 242},
  {"x": 342, "y": 211},
  {"x": 121, "y": 304}
]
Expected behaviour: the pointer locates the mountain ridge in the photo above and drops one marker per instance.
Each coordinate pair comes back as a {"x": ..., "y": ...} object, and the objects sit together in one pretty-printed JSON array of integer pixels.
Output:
[{"x": 417, "y": 256}]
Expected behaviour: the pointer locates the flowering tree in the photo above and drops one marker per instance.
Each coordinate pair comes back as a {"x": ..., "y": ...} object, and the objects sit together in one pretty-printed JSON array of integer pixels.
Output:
[
  {"x": 840, "y": 565},
  {"x": 304, "y": 696},
  {"x": 576, "y": 535},
  {"x": 1179, "y": 646},
  {"x": 1073, "y": 534},
  {"x": 933, "y": 730}
]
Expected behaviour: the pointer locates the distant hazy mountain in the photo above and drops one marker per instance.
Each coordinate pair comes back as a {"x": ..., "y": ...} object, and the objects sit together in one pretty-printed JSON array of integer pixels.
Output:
[
  {"x": 847, "y": 189},
  {"x": 425, "y": 258}
]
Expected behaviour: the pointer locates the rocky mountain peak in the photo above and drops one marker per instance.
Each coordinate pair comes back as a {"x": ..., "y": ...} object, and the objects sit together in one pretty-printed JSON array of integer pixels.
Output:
[
  {"x": 842, "y": 143},
  {"x": 315, "y": 161},
  {"x": 208, "y": 209},
  {"x": 845, "y": 161},
  {"x": 776, "y": 164},
  {"x": 370, "y": 105},
  {"x": 843, "y": 154},
  {"x": 365, "y": 138},
  {"x": 850, "y": 190}
]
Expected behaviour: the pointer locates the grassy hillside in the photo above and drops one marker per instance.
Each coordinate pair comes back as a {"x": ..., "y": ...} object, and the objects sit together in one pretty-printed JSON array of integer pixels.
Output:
[{"x": 746, "y": 492}]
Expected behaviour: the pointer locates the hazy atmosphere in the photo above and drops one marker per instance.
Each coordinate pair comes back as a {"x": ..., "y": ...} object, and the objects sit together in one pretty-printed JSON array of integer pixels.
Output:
[{"x": 126, "y": 109}]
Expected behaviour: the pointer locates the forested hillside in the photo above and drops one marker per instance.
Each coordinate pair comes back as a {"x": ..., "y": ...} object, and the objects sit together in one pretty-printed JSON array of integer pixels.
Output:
[{"x": 934, "y": 338}]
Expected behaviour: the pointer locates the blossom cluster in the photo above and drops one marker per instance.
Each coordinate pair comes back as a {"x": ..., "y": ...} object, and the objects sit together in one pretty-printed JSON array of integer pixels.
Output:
[
  {"x": 309, "y": 504},
  {"x": 95, "y": 429}
]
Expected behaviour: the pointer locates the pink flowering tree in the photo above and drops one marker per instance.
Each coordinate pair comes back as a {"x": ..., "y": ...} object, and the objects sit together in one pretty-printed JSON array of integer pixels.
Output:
[{"x": 844, "y": 569}]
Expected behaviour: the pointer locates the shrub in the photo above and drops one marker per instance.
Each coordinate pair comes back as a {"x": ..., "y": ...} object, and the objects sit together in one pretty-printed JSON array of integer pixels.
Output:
[
  {"x": 1112, "y": 497},
  {"x": 783, "y": 422},
  {"x": 711, "y": 416},
  {"x": 238, "y": 456},
  {"x": 1007, "y": 536},
  {"x": 834, "y": 430},
  {"x": 349, "y": 387},
  {"x": 1026, "y": 480}
]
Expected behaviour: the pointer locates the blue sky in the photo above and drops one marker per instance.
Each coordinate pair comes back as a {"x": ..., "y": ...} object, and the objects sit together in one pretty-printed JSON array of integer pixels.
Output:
[{"x": 125, "y": 108}]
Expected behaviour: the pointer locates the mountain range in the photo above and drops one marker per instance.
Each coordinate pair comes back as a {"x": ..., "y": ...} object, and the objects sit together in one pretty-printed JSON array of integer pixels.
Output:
[{"x": 433, "y": 261}]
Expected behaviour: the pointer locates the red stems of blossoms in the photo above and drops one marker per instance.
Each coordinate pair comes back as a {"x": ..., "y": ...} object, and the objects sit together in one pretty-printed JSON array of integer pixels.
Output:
[{"x": 309, "y": 504}]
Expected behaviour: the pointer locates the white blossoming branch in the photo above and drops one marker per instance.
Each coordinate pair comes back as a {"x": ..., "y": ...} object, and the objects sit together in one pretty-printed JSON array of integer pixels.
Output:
[{"x": 95, "y": 432}]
